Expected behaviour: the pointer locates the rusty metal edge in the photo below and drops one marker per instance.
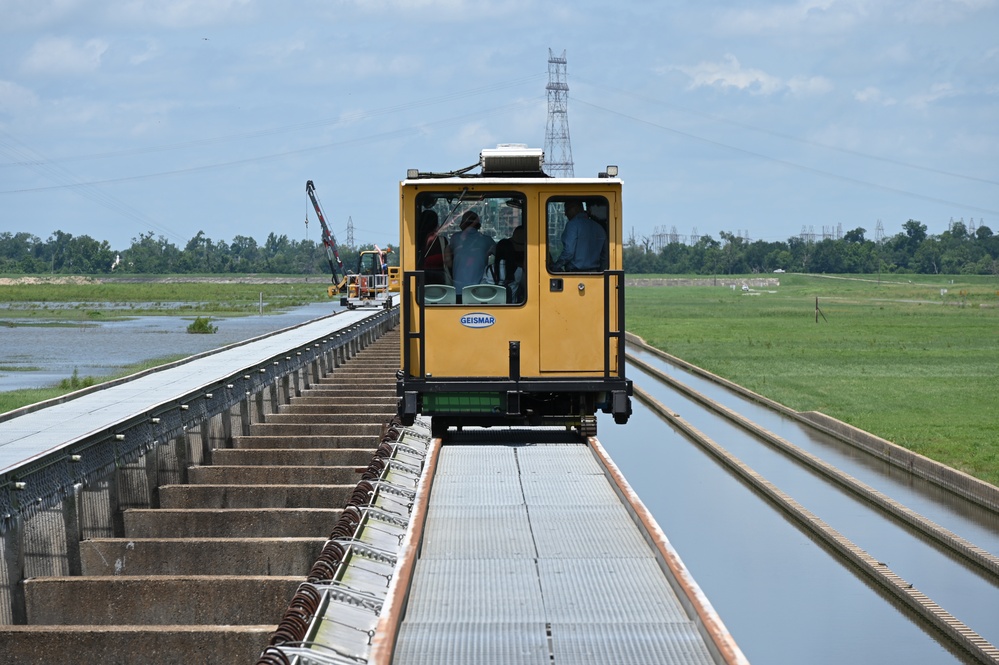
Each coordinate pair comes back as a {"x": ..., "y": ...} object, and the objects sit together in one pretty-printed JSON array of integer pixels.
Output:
[
  {"x": 725, "y": 650},
  {"x": 387, "y": 630}
]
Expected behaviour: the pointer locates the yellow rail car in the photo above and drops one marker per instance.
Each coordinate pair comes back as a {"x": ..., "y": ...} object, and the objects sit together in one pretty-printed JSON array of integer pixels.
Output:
[{"x": 512, "y": 296}]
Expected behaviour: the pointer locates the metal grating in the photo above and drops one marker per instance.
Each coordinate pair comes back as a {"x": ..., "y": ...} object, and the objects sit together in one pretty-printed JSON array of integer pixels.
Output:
[
  {"x": 473, "y": 642},
  {"x": 604, "y": 591},
  {"x": 562, "y": 531},
  {"x": 498, "y": 532},
  {"x": 627, "y": 643},
  {"x": 482, "y": 591},
  {"x": 529, "y": 556}
]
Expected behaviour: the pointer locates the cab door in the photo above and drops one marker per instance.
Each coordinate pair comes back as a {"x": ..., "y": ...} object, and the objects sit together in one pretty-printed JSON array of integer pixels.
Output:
[{"x": 571, "y": 300}]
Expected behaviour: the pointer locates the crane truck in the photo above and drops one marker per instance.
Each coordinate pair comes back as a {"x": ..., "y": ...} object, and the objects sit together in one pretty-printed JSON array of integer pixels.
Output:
[{"x": 371, "y": 284}]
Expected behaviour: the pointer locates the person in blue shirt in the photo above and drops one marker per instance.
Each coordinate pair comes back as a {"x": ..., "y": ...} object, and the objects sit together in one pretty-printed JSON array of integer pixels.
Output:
[
  {"x": 468, "y": 253},
  {"x": 584, "y": 242}
]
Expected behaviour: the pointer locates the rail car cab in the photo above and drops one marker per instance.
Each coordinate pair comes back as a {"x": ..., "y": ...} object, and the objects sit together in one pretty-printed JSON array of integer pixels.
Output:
[{"x": 512, "y": 296}]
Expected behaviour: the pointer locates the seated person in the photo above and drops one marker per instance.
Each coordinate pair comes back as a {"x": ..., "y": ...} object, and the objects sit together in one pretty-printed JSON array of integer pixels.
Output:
[
  {"x": 468, "y": 252},
  {"x": 584, "y": 242},
  {"x": 508, "y": 268}
]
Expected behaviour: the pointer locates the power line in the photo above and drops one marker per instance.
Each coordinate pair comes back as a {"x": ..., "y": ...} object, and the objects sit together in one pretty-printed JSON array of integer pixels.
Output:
[
  {"x": 345, "y": 119},
  {"x": 788, "y": 137},
  {"x": 398, "y": 133},
  {"x": 53, "y": 171},
  {"x": 794, "y": 165}
]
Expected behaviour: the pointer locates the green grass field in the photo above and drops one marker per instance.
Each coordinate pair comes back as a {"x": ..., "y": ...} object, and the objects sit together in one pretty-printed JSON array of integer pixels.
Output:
[
  {"x": 109, "y": 298},
  {"x": 899, "y": 358}
]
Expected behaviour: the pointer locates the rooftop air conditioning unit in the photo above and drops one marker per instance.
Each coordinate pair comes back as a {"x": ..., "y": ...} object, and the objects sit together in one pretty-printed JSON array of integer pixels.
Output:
[{"x": 511, "y": 158}]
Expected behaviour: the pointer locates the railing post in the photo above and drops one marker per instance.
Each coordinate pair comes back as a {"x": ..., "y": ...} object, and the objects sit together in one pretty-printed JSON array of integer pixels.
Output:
[
  {"x": 205, "y": 432},
  {"x": 286, "y": 389},
  {"x": 71, "y": 520},
  {"x": 259, "y": 397},
  {"x": 115, "y": 513},
  {"x": 227, "y": 427},
  {"x": 273, "y": 392},
  {"x": 13, "y": 564},
  {"x": 244, "y": 416},
  {"x": 153, "y": 475},
  {"x": 180, "y": 450}
]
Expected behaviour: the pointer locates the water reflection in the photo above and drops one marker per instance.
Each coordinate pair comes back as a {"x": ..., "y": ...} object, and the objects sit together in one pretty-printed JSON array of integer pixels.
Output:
[
  {"x": 42, "y": 356},
  {"x": 784, "y": 599}
]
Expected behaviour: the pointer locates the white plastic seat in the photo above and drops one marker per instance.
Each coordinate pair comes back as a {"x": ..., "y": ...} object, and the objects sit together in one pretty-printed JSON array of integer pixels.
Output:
[
  {"x": 484, "y": 294},
  {"x": 438, "y": 294}
]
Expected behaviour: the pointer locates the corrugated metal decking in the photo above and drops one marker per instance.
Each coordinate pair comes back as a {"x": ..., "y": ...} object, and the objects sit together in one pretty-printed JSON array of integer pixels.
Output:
[{"x": 529, "y": 556}]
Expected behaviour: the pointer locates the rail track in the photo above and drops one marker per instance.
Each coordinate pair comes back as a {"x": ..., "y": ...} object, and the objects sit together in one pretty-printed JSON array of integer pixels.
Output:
[{"x": 662, "y": 388}]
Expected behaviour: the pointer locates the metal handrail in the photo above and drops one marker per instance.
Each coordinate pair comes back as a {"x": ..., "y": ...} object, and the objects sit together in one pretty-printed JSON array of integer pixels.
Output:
[{"x": 44, "y": 481}]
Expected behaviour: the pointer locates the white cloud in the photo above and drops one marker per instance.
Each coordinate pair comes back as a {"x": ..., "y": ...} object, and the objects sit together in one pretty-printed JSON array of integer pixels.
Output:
[
  {"x": 817, "y": 15},
  {"x": 20, "y": 14},
  {"x": 450, "y": 11},
  {"x": 152, "y": 51},
  {"x": 729, "y": 73},
  {"x": 939, "y": 11},
  {"x": 185, "y": 13},
  {"x": 470, "y": 138},
  {"x": 14, "y": 98},
  {"x": 936, "y": 92},
  {"x": 809, "y": 85},
  {"x": 872, "y": 95},
  {"x": 58, "y": 55},
  {"x": 283, "y": 50}
]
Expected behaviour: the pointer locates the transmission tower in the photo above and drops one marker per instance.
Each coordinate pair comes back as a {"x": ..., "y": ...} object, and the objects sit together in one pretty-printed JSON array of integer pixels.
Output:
[
  {"x": 558, "y": 152},
  {"x": 350, "y": 232}
]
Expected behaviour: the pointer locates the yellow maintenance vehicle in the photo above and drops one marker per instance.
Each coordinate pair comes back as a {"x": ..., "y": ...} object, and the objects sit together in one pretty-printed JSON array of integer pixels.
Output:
[{"x": 373, "y": 281}]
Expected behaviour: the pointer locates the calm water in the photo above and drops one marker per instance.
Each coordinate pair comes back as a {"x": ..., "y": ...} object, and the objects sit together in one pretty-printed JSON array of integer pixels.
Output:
[
  {"x": 38, "y": 357},
  {"x": 784, "y": 598}
]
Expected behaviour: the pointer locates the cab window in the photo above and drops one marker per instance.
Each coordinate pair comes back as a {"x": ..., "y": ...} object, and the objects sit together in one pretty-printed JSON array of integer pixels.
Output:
[
  {"x": 471, "y": 247},
  {"x": 576, "y": 229}
]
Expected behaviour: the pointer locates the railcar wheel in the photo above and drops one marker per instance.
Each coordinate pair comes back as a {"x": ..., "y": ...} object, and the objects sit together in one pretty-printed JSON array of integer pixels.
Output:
[{"x": 438, "y": 427}]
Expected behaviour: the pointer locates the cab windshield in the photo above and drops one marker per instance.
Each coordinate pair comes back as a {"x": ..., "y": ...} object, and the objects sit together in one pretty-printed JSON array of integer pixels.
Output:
[{"x": 471, "y": 247}]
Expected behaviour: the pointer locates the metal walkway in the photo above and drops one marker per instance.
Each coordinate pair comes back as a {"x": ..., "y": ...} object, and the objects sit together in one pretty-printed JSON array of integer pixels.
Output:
[
  {"x": 39, "y": 432},
  {"x": 533, "y": 553}
]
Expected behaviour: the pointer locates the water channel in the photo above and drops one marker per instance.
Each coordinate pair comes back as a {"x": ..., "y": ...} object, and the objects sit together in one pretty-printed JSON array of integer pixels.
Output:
[{"x": 40, "y": 356}]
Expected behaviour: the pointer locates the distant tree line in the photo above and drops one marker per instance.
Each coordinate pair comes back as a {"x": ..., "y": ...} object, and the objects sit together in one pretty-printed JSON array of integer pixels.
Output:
[
  {"x": 955, "y": 251},
  {"x": 63, "y": 253}
]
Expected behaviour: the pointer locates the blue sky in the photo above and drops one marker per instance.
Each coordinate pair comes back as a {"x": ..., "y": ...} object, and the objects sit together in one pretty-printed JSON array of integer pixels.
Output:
[{"x": 119, "y": 118}]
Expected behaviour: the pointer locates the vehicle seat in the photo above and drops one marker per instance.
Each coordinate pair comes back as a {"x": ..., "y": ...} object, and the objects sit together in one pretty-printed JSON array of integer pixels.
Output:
[
  {"x": 484, "y": 294},
  {"x": 438, "y": 294}
]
